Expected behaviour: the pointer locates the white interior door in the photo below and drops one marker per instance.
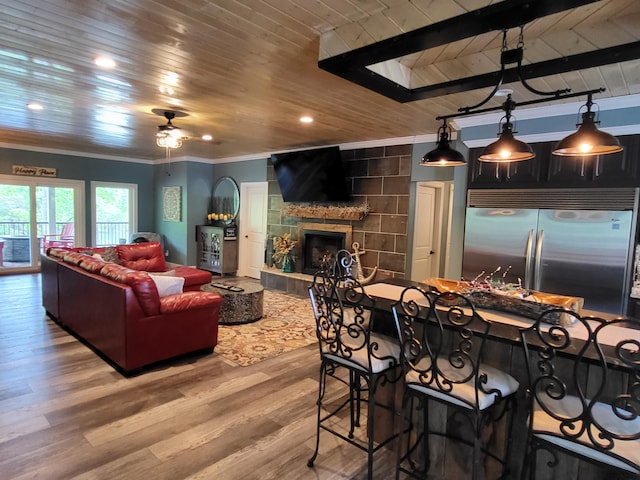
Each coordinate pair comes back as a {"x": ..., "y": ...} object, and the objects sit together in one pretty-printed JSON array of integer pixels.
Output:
[
  {"x": 252, "y": 228},
  {"x": 427, "y": 231}
]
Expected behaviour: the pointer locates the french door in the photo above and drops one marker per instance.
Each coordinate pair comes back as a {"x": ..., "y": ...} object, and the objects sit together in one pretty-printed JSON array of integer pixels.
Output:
[{"x": 36, "y": 212}]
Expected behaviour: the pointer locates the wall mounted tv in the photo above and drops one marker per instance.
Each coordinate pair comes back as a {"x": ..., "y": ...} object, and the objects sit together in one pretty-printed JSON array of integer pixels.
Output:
[{"x": 311, "y": 175}]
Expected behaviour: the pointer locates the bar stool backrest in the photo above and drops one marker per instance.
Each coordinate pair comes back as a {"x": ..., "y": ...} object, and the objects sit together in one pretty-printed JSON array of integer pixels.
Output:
[
  {"x": 442, "y": 338},
  {"x": 344, "y": 316},
  {"x": 584, "y": 389}
]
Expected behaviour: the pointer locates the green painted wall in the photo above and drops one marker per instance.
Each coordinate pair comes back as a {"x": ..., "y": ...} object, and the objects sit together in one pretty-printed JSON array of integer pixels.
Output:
[
  {"x": 196, "y": 180},
  {"x": 246, "y": 171}
]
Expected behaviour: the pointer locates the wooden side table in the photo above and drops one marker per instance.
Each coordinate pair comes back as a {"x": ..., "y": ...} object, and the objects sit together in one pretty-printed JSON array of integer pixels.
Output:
[{"x": 242, "y": 301}]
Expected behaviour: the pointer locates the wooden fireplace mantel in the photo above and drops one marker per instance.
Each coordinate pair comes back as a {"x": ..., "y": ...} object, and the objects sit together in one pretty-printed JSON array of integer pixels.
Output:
[
  {"x": 332, "y": 212},
  {"x": 328, "y": 227}
]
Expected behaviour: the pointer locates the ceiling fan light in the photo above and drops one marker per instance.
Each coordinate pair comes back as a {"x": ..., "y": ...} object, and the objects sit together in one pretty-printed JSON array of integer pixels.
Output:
[
  {"x": 507, "y": 148},
  {"x": 175, "y": 133},
  {"x": 169, "y": 136},
  {"x": 166, "y": 140},
  {"x": 587, "y": 140},
  {"x": 443, "y": 155}
]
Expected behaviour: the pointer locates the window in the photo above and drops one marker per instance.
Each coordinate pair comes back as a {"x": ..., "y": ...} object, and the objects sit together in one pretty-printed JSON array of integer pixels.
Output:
[{"x": 114, "y": 212}]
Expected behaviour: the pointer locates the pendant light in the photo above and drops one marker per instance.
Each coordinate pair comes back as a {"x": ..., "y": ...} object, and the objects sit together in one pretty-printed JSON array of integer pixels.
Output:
[
  {"x": 507, "y": 148},
  {"x": 443, "y": 155},
  {"x": 588, "y": 140}
]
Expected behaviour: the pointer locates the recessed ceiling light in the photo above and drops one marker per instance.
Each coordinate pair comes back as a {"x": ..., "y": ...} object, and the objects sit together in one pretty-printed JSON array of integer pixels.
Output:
[
  {"x": 306, "y": 119},
  {"x": 104, "y": 62},
  {"x": 171, "y": 78},
  {"x": 207, "y": 138},
  {"x": 34, "y": 106}
]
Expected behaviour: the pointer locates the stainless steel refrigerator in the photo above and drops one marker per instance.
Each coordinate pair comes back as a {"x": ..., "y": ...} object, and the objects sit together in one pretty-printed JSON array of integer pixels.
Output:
[{"x": 575, "y": 242}]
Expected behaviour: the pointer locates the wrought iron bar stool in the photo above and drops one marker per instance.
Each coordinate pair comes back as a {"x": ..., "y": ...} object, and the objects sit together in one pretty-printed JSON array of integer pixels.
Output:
[
  {"x": 353, "y": 356},
  {"x": 583, "y": 393},
  {"x": 442, "y": 339}
]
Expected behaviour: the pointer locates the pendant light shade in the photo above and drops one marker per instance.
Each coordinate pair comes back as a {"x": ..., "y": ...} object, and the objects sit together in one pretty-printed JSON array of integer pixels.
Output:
[
  {"x": 443, "y": 155},
  {"x": 588, "y": 140},
  {"x": 507, "y": 148}
]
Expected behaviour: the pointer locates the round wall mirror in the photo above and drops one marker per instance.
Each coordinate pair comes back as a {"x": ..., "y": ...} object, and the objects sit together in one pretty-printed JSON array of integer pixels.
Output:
[{"x": 226, "y": 200}]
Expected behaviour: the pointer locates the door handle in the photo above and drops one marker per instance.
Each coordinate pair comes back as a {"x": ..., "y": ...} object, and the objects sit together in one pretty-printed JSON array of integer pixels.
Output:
[
  {"x": 536, "y": 272},
  {"x": 246, "y": 236},
  {"x": 431, "y": 252},
  {"x": 527, "y": 259}
]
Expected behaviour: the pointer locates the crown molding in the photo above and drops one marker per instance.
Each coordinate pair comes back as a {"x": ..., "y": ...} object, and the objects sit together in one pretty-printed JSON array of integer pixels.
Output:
[
  {"x": 74, "y": 153},
  {"x": 384, "y": 142}
]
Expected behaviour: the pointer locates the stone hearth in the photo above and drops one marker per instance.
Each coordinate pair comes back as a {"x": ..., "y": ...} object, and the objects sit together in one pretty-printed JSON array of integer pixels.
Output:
[{"x": 292, "y": 283}]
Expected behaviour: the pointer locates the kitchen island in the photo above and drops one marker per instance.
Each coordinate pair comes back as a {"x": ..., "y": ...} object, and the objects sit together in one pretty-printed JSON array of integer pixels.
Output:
[{"x": 504, "y": 351}]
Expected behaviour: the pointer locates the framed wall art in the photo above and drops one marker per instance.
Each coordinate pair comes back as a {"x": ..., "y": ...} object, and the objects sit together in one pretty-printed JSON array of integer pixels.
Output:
[{"x": 172, "y": 204}]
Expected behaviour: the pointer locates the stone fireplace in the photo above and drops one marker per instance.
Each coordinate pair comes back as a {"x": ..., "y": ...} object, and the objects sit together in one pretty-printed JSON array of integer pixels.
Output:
[
  {"x": 320, "y": 242},
  {"x": 381, "y": 178}
]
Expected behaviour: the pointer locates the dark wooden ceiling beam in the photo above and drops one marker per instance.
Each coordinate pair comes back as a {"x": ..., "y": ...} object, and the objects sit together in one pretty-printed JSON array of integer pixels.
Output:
[
  {"x": 495, "y": 17},
  {"x": 595, "y": 58},
  {"x": 353, "y": 65}
]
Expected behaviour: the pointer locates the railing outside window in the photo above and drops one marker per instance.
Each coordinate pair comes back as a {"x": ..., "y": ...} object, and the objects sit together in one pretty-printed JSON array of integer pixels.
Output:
[
  {"x": 111, "y": 233},
  {"x": 107, "y": 233}
]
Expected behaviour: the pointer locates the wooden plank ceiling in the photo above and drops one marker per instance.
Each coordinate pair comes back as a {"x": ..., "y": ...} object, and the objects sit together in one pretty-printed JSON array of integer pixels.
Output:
[{"x": 246, "y": 70}]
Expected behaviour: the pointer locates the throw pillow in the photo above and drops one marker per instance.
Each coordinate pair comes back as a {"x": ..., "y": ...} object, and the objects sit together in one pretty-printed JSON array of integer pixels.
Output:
[
  {"x": 168, "y": 273},
  {"x": 110, "y": 255},
  {"x": 167, "y": 285}
]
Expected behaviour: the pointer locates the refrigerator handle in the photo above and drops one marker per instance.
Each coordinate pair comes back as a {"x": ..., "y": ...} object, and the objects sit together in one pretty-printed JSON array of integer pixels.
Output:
[
  {"x": 538, "y": 259},
  {"x": 528, "y": 255}
]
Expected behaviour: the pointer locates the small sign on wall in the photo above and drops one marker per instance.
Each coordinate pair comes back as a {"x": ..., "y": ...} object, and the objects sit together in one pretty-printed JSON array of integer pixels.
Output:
[{"x": 34, "y": 171}]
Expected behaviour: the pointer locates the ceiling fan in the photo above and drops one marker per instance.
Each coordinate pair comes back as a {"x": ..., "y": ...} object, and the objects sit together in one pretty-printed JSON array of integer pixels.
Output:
[{"x": 168, "y": 135}]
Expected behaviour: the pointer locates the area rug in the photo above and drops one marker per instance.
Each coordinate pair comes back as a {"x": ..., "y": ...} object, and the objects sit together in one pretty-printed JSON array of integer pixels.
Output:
[{"x": 287, "y": 323}]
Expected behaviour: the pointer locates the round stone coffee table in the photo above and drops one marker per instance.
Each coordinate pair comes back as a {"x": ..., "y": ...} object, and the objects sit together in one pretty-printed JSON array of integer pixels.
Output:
[{"x": 242, "y": 300}]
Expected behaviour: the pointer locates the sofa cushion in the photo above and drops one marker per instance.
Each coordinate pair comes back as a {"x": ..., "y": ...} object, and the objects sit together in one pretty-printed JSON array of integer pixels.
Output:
[
  {"x": 167, "y": 285},
  {"x": 147, "y": 257},
  {"x": 57, "y": 252},
  {"x": 192, "y": 276},
  {"x": 74, "y": 258},
  {"x": 141, "y": 283},
  {"x": 91, "y": 264}
]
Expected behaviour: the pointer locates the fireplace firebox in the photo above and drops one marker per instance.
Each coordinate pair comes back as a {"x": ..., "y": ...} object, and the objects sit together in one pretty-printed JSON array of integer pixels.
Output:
[{"x": 320, "y": 246}]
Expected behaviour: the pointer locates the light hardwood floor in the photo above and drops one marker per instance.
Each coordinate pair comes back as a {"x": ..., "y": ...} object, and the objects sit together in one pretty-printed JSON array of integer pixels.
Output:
[{"x": 66, "y": 414}]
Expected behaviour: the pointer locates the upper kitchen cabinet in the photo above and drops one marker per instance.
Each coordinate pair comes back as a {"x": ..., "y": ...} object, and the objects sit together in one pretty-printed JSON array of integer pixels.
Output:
[{"x": 548, "y": 170}]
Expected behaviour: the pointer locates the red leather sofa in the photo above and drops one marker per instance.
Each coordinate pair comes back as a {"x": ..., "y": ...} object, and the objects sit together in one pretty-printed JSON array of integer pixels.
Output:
[{"x": 118, "y": 311}]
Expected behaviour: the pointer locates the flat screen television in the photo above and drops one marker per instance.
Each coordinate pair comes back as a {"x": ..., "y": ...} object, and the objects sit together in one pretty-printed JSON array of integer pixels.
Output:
[{"x": 315, "y": 175}]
